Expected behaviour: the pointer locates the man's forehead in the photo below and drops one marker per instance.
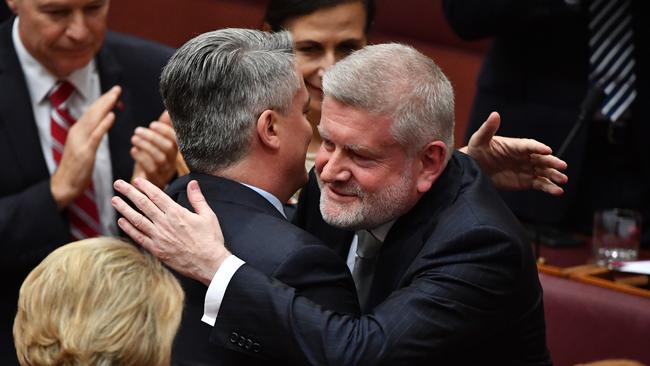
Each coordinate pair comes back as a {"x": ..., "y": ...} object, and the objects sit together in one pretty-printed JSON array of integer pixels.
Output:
[
  {"x": 337, "y": 118},
  {"x": 340, "y": 111}
]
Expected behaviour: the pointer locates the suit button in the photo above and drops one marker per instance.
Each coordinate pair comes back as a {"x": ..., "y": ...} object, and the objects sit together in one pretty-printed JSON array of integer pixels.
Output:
[
  {"x": 233, "y": 337},
  {"x": 256, "y": 347},
  {"x": 241, "y": 341}
]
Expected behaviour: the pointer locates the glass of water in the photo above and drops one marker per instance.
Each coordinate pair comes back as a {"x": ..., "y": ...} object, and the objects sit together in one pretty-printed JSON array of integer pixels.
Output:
[{"x": 616, "y": 236}]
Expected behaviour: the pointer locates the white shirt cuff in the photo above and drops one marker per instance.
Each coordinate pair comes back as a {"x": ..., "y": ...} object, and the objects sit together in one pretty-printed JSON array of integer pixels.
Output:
[{"x": 217, "y": 288}]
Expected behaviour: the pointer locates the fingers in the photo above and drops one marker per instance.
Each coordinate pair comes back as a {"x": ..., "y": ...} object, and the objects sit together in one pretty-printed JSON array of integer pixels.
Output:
[
  {"x": 549, "y": 161},
  {"x": 103, "y": 105},
  {"x": 142, "y": 201},
  {"x": 531, "y": 146},
  {"x": 196, "y": 198},
  {"x": 154, "y": 147},
  {"x": 156, "y": 196},
  {"x": 159, "y": 140},
  {"x": 135, "y": 234},
  {"x": 143, "y": 161},
  {"x": 548, "y": 175},
  {"x": 133, "y": 223},
  {"x": 545, "y": 185},
  {"x": 144, "y": 146},
  {"x": 108, "y": 100},
  {"x": 166, "y": 130},
  {"x": 487, "y": 130},
  {"x": 165, "y": 118},
  {"x": 102, "y": 128},
  {"x": 552, "y": 174}
]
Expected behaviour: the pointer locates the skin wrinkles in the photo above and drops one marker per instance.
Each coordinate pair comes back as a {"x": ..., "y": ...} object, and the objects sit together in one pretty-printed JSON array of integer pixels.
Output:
[
  {"x": 365, "y": 176},
  {"x": 70, "y": 32}
]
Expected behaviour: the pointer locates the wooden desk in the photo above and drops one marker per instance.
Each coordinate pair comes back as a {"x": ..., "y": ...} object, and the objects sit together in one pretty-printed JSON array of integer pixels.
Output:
[{"x": 575, "y": 263}]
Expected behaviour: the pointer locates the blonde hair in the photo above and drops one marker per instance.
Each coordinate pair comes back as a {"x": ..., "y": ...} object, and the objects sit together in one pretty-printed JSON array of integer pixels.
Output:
[{"x": 98, "y": 301}]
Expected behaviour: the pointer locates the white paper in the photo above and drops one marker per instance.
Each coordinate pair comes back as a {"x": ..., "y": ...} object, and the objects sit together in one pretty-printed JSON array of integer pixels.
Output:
[{"x": 642, "y": 267}]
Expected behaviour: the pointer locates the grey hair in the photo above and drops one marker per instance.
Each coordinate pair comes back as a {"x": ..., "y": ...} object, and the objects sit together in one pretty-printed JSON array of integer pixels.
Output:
[
  {"x": 216, "y": 86},
  {"x": 397, "y": 81}
]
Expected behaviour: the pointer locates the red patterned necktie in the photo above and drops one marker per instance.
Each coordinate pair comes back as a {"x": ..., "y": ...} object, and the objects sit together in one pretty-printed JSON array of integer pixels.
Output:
[{"x": 82, "y": 212}]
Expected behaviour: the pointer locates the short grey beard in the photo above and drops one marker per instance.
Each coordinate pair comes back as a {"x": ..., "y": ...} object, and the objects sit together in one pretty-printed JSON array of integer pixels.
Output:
[{"x": 372, "y": 210}]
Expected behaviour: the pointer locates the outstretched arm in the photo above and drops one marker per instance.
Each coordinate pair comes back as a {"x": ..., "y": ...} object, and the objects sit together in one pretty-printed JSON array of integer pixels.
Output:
[{"x": 515, "y": 163}]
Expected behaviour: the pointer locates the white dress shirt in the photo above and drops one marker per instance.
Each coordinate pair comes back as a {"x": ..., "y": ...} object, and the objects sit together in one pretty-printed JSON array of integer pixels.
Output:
[
  {"x": 40, "y": 83},
  {"x": 221, "y": 279}
]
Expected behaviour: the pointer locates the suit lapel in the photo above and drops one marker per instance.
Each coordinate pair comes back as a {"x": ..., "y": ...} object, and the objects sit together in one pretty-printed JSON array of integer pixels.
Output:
[
  {"x": 407, "y": 237},
  {"x": 119, "y": 136},
  {"x": 16, "y": 114}
]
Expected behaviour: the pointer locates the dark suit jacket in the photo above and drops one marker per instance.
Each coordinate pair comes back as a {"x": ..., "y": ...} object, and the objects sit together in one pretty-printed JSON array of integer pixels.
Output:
[
  {"x": 257, "y": 233},
  {"x": 455, "y": 284},
  {"x": 30, "y": 224},
  {"x": 5, "y": 13},
  {"x": 535, "y": 76}
]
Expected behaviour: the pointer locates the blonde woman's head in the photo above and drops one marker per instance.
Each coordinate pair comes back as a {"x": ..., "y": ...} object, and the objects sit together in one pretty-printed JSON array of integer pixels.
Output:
[{"x": 98, "y": 302}]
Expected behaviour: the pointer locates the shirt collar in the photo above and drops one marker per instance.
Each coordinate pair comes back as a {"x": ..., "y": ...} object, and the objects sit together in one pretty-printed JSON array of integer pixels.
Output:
[
  {"x": 40, "y": 81},
  {"x": 381, "y": 231},
  {"x": 269, "y": 197}
]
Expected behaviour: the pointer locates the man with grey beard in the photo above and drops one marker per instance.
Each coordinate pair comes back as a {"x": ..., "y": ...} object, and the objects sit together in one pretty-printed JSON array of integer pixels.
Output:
[{"x": 444, "y": 273}]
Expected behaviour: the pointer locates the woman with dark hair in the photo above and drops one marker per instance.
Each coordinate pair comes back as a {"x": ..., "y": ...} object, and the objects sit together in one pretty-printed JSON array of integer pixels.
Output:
[{"x": 324, "y": 32}]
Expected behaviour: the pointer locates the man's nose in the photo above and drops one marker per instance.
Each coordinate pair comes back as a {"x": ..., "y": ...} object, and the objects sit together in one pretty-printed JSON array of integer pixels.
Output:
[
  {"x": 328, "y": 60},
  {"x": 78, "y": 28},
  {"x": 333, "y": 168}
]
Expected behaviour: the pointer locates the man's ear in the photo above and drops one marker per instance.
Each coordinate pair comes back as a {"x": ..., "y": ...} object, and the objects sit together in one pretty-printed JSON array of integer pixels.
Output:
[
  {"x": 432, "y": 163},
  {"x": 267, "y": 129}
]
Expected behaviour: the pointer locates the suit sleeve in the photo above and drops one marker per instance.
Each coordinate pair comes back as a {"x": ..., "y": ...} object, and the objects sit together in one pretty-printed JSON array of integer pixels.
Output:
[
  {"x": 30, "y": 225},
  {"x": 475, "y": 19},
  {"x": 319, "y": 275},
  {"x": 458, "y": 298},
  {"x": 313, "y": 274}
]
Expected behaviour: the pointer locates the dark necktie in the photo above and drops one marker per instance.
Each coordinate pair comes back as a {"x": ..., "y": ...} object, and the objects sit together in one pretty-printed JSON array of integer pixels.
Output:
[
  {"x": 611, "y": 50},
  {"x": 82, "y": 212},
  {"x": 368, "y": 247}
]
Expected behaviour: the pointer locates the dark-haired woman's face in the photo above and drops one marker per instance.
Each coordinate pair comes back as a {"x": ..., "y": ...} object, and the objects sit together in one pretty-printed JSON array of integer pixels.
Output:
[{"x": 321, "y": 39}]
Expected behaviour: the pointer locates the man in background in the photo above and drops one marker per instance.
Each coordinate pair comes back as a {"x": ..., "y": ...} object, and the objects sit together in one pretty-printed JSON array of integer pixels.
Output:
[{"x": 56, "y": 59}]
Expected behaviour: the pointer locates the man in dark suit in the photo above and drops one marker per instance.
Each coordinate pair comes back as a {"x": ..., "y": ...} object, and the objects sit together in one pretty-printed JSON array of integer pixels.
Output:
[
  {"x": 537, "y": 73},
  {"x": 443, "y": 272},
  {"x": 247, "y": 152},
  {"x": 41, "y": 47}
]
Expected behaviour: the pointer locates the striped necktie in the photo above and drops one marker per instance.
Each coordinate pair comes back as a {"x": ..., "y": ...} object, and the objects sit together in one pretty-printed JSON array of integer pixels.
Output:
[
  {"x": 82, "y": 212},
  {"x": 611, "y": 46}
]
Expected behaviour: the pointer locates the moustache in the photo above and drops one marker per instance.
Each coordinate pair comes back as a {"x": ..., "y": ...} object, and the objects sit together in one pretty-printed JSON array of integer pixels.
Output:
[{"x": 348, "y": 188}]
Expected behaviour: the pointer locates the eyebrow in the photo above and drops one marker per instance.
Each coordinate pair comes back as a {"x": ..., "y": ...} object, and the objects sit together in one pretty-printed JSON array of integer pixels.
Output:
[
  {"x": 348, "y": 147},
  {"x": 306, "y": 42},
  {"x": 322, "y": 132}
]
